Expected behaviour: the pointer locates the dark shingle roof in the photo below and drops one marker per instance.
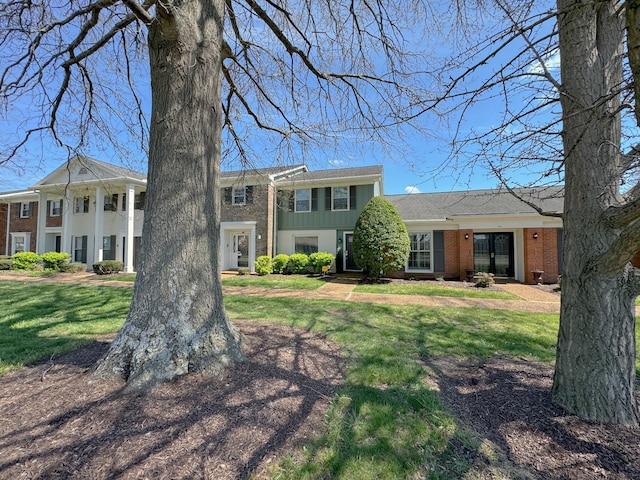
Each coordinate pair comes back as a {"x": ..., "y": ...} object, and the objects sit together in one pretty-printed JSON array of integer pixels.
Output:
[{"x": 434, "y": 206}]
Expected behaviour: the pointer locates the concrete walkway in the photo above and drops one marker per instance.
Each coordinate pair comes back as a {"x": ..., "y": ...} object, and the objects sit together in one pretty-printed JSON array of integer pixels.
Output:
[{"x": 341, "y": 288}]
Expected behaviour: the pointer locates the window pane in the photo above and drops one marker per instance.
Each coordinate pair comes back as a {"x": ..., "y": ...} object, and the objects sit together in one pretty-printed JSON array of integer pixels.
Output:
[
  {"x": 239, "y": 196},
  {"x": 340, "y": 198},
  {"x": 303, "y": 200},
  {"x": 306, "y": 245},
  {"x": 420, "y": 254}
]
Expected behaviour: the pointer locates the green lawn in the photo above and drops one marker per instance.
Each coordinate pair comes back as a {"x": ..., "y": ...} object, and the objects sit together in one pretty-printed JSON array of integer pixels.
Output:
[
  {"x": 385, "y": 422},
  {"x": 294, "y": 282},
  {"x": 433, "y": 289}
]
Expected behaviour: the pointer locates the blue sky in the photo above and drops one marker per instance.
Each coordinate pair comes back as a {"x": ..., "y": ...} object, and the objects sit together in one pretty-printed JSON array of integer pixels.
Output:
[{"x": 414, "y": 165}]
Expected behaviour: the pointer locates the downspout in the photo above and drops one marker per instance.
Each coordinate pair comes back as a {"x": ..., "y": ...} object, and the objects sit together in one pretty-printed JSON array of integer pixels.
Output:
[
  {"x": 274, "y": 227},
  {"x": 6, "y": 245}
]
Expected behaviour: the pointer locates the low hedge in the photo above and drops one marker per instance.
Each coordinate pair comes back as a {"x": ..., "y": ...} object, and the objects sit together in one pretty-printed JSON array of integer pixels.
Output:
[{"x": 107, "y": 267}]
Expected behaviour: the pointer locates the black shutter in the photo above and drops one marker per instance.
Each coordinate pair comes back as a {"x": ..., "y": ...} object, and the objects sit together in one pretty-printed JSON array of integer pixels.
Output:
[
  {"x": 18, "y": 206},
  {"x": 86, "y": 204},
  {"x": 48, "y": 212},
  {"x": 352, "y": 198},
  {"x": 124, "y": 202},
  {"x": 249, "y": 194},
  {"x": 438, "y": 251},
  {"x": 114, "y": 202},
  {"x": 560, "y": 249},
  {"x": 61, "y": 206},
  {"x": 327, "y": 198},
  {"x": 84, "y": 249},
  {"x": 227, "y": 195},
  {"x": 32, "y": 208},
  {"x": 314, "y": 199}
]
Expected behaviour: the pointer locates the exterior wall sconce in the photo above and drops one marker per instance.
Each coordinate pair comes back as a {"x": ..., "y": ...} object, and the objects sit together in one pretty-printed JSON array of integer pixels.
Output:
[
  {"x": 535, "y": 236},
  {"x": 466, "y": 236}
]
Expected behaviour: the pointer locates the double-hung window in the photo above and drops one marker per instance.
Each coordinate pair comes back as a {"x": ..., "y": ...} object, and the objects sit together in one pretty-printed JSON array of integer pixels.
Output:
[
  {"x": 340, "y": 198},
  {"x": 239, "y": 195},
  {"x": 420, "y": 252},
  {"x": 111, "y": 203},
  {"x": 303, "y": 200},
  {"x": 55, "y": 209},
  {"x": 25, "y": 210},
  {"x": 82, "y": 205}
]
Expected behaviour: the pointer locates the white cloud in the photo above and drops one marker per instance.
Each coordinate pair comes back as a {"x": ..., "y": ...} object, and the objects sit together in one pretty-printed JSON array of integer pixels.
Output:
[
  {"x": 337, "y": 163},
  {"x": 551, "y": 62},
  {"x": 411, "y": 189}
]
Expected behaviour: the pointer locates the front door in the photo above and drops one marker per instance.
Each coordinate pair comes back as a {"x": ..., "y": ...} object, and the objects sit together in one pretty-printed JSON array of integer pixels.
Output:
[
  {"x": 349, "y": 261},
  {"x": 493, "y": 253},
  {"x": 240, "y": 253}
]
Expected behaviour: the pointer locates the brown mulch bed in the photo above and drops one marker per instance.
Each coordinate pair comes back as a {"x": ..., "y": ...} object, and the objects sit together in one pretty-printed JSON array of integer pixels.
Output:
[{"x": 56, "y": 425}]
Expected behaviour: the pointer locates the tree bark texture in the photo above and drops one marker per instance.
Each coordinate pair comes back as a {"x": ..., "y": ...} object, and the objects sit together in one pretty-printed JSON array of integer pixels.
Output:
[
  {"x": 177, "y": 322},
  {"x": 595, "y": 362}
]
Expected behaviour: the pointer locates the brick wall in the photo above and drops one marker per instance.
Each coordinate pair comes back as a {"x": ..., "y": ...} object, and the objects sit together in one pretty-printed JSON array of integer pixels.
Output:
[
  {"x": 29, "y": 224},
  {"x": 259, "y": 210},
  {"x": 466, "y": 252},
  {"x": 3, "y": 228},
  {"x": 541, "y": 254}
]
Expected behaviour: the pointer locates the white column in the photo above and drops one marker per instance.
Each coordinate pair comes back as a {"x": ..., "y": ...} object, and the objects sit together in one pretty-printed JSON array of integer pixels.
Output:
[
  {"x": 131, "y": 196},
  {"x": 67, "y": 223},
  {"x": 99, "y": 226},
  {"x": 252, "y": 248},
  {"x": 42, "y": 223}
]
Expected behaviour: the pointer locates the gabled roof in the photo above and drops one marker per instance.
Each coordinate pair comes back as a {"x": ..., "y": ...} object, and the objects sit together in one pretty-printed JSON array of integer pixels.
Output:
[
  {"x": 94, "y": 170},
  {"x": 440, "y": 206},
  {"x": 353, "y": 173},
  {"x": 264, "y": 175}
]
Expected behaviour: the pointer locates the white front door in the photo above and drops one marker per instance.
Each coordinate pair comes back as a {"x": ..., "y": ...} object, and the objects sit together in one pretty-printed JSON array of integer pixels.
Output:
[{"x": 240, "y": 251}]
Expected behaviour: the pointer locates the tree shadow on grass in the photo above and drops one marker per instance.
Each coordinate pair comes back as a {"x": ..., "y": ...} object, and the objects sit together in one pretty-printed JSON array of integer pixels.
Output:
[{"x": 57, "y": 425}]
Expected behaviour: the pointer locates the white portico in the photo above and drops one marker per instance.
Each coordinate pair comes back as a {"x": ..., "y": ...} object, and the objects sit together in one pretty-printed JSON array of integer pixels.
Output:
[{"x": 93, "y": 211}]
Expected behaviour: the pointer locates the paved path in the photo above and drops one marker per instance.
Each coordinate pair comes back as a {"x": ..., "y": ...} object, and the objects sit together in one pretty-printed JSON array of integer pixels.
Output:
[{"x": 341, "y": 288}]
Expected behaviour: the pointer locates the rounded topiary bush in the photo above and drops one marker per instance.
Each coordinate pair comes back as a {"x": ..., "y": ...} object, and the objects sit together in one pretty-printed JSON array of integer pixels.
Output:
[{"x": 380, "y": 239}]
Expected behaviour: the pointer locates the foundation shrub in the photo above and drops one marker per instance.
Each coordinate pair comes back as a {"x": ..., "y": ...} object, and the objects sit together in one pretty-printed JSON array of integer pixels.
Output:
[
  {"x": 280, "y": 263},
  {"x": 321, "y": 259},
  {"x": 264, "y": 265},
  {"x": 26, "y": 261},
  {"x": 298, "y": 263},
  {"x": 107, "y": 267}
]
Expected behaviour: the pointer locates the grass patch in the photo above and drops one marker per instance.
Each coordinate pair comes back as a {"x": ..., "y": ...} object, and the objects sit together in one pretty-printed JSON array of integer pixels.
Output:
[
  {"x": 432, "y": 289},
  {"x": 40, "y": 320},
  {"x": 293, "y": 282},
  {"x": 386, "y": 421},
  {"x": 118, "y": 277}
]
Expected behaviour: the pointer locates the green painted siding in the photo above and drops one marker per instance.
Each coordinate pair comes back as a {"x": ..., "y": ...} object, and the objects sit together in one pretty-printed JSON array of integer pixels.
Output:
[{"x": 322, "y": 218}]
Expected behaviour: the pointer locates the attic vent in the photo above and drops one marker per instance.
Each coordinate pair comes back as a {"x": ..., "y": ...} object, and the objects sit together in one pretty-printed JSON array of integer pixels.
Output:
[{"x": 82, "y": 171}]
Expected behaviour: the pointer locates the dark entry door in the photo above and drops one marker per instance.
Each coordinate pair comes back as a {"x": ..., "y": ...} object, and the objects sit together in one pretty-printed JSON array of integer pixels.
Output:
[
  {"x": 349, "y": 262},
  {"x": 493, "y": 253}
]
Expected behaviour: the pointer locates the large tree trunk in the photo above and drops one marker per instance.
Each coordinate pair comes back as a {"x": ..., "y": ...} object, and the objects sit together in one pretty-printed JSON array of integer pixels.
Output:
[
  {"x": 595, "y": 364},
  {"x": 177, "y": 322}
]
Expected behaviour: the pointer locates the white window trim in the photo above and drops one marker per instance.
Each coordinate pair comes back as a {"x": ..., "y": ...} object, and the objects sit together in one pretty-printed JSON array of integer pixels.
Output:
[
  {"x": 80, "y": 201},
  {"x": 53, "y": 207},
  {"x": 233, "y": 195},
  {"x": 333, "y": 209},
  {"x": 421, "y": 270},
  {"x": 295, "y": 200},
  {"x": 22, "y": 205},
  {"x": 26, "y": 237}
]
